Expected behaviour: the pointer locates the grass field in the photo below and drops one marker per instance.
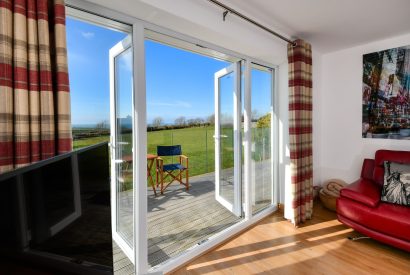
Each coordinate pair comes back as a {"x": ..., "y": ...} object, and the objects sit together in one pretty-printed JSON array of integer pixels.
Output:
[
  {"x": 197, "y": 143},
  {"x": 80, "y": 143}
]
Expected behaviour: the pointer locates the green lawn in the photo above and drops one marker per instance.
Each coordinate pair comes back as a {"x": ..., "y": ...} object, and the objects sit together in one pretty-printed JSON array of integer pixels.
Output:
[
  {"x": 197, "y": 143},
  {"x": 77, "y": 144}
]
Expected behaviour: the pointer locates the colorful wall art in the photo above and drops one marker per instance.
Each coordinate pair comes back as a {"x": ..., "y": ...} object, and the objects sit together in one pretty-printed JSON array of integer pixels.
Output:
[{"x": 385, "y": 94}]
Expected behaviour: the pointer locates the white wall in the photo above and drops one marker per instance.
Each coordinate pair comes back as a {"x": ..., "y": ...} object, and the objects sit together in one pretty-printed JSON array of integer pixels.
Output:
[
  {"x": 339, "y": 113},
  {"x": 317, "y": 114}
]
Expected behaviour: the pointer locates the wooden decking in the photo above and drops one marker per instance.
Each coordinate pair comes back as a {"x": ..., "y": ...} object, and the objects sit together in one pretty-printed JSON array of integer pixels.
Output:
[{"x": 178, "y": 220}]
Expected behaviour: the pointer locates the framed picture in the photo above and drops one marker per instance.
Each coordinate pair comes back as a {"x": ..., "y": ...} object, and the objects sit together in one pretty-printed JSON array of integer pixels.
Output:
[{"x": 385, "y": 94}]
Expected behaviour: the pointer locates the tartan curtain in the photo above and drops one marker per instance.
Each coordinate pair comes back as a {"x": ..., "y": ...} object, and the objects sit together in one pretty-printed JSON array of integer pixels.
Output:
[
  {"x": 300, "y": 130},
  {"x": 35, "y": 121}
]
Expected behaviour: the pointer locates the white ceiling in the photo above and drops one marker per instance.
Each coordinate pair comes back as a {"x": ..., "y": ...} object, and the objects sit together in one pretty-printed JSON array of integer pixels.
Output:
[{"x": 331, "y": 25}]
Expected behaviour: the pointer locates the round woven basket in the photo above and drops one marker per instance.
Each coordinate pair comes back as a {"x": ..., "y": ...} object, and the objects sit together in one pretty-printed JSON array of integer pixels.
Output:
[
  {"x": 330, "y": 192},
  {"x": 328, "y": 201}
]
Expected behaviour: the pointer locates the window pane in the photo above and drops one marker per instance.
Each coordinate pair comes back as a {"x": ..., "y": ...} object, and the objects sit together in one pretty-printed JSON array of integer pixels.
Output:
[
  {"x": 123, "y": 74},
  {"x": 261, "y": 157},
  {"x": 226, "y": 138}
]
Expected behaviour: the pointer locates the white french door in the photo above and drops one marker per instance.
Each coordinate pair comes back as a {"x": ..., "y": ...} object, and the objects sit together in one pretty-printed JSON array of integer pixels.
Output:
[
  {"x": 228, "y": 138},
  {"x": 121, "y": 121}
]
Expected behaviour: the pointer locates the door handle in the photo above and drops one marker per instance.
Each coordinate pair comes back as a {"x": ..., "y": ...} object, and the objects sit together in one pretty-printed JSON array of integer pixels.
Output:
[
  {"x": 220, "y": 136},
  {"x": 122, "y": 143},
  {"x": 119, "y": 161}
]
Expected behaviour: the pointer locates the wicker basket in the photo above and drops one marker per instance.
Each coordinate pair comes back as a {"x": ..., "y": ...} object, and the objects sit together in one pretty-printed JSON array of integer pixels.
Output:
[
  {"x": 328, "y": 201},
  {"x": 330, "y": 192}
]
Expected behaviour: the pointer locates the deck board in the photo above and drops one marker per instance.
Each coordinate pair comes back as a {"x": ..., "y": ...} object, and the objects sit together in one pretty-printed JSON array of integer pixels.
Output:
[
  {"x": 177, "y": 220},
  {"x": 180, "y": 219}
]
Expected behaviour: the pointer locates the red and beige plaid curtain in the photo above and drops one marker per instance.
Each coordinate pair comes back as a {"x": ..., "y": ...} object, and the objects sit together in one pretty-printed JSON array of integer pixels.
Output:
[
  {"x": 300, "y": 130},
  {"x": 35, "y": 121}
]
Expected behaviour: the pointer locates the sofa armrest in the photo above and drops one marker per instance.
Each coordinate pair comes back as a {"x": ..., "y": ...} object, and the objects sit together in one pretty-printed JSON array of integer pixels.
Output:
[
  {"x": 367, "y": 169},
  {"x": 363, "y": 191}
]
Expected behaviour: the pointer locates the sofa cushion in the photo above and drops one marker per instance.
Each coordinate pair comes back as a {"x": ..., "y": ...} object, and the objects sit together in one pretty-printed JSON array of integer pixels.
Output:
[
  {"x": 387, "y": 155},
  {"x": 367, "y": 169},
  {"x": 363, "y": 191},
  {"x": 396, "y": 186},
  {"x": 386, "y": 218}
]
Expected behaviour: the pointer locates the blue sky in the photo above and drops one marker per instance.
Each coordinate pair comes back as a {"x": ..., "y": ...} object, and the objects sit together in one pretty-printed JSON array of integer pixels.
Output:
[
  {"x": 179, "y": 83},
  {"x": 88, "y": 46}
]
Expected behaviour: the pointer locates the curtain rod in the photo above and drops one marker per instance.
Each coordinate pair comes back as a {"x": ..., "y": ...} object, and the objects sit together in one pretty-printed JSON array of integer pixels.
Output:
[{"x": 244, "y": 17}]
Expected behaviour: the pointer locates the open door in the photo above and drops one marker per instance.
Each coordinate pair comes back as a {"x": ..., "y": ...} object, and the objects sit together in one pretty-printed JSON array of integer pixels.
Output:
[
  {"x": 227, "y": 138},
  {"x": 121, "y": 123}
]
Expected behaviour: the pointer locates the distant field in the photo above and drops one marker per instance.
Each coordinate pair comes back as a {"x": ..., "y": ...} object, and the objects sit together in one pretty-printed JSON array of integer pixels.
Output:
[
  {"x": 80, "y": 143},
  {"x": 197, "y": 143}
]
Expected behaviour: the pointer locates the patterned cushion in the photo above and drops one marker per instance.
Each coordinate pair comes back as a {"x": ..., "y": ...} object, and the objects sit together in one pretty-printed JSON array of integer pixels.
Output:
[{"x": 396, "y": 186}]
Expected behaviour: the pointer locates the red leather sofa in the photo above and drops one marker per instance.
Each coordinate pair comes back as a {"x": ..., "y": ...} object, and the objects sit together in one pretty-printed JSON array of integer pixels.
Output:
[{"x": 360, "y": 208}]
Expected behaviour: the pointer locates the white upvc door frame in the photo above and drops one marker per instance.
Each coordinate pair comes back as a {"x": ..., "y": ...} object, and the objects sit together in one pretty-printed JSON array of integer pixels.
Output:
[
  {"x": 275, "y": 137},
  {"x": 140, "y": 152},
  {"x": 114, "y": 52},
  {"x": 80, "y": 9},
  {"x": 247, "y": 139},
  {"x": 235, "y": 206},
  {"x": 249, "y": 64}
]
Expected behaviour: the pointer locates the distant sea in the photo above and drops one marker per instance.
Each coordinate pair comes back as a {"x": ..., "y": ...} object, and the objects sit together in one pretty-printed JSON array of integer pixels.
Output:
[
  {"x": 126, "y": 124},
  {"x": 82, "y": 126}
]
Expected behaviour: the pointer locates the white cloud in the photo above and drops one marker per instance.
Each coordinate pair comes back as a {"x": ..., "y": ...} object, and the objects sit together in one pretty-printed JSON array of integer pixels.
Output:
[
  {"x": 179, "y": 104},
  {"x": 88, "y": 35}
]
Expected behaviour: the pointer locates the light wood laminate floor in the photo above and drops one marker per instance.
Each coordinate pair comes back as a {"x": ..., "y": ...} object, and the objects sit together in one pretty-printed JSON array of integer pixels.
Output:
[{"x": 320, "y": 246}]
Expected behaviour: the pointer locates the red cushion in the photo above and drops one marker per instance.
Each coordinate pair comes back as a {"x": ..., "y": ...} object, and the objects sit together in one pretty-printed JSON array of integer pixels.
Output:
[
  {"x": 383, "y": 155},
  {"x": 390, "y": 219},
  {"x": 367, "y": 169},
  {"x": 363, "y": 191}
]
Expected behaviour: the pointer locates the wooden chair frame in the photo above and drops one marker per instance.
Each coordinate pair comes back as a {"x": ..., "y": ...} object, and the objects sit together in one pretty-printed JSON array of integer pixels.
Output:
[{"x": 183, "y": 160}]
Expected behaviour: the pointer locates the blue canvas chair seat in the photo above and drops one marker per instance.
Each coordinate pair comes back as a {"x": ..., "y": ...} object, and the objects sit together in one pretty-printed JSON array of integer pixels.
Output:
[
  {"x": 174, "y": 166},
  {"x": 172, "y": 170}
]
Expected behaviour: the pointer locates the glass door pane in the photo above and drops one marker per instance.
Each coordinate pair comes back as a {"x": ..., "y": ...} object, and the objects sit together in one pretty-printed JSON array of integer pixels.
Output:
[
  {"x": 226, "y": 152},
  {"x": 227, "y": 139},
  {"x": 122, "y": 184},
  {"x": 124, "y": 146},
  {"x": 261, "y": 133}
]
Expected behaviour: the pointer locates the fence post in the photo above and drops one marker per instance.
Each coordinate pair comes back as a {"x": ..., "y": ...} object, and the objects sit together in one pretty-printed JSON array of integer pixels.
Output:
[
  {"x": 206, "y": 148},
  {"x": 172, "y": 142}
]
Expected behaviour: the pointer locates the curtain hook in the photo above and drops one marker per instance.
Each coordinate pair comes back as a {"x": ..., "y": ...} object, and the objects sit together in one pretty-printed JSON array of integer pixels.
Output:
[{"x": 224, "y": 14}]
